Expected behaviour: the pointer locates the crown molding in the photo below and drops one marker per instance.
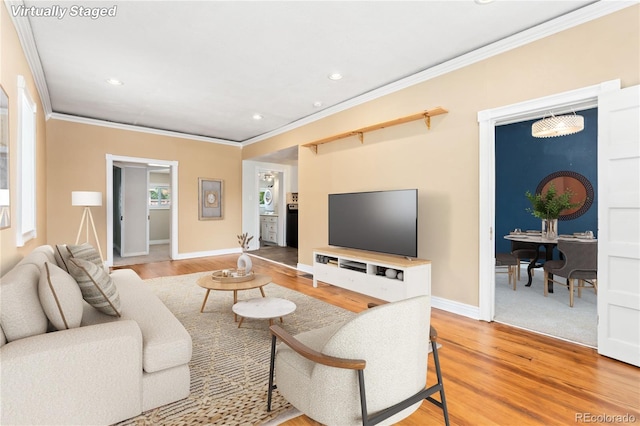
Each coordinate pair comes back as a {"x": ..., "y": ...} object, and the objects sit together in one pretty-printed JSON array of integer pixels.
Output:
[
  {"x": 141, "y": 129},
  {"x": 25, "y": 35},
  {"x": 588, "y": 13}
]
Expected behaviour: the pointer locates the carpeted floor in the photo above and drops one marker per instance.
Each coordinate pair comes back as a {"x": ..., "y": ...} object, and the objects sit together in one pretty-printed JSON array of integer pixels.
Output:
[
  {"x": 528, "y": 308},
  {"x": 230, "y": 365}
]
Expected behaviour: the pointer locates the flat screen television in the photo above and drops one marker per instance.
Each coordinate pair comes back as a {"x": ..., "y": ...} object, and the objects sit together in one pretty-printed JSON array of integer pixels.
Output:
[{"x": 380, "y": 221}]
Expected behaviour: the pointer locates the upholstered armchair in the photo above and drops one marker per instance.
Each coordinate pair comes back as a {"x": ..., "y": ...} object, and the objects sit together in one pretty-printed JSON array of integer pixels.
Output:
[{"x": 371, "y": 369}]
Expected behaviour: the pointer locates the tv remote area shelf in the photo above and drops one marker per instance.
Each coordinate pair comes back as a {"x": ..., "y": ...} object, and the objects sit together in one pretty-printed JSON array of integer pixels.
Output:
[{"x": 366, "y": 272}]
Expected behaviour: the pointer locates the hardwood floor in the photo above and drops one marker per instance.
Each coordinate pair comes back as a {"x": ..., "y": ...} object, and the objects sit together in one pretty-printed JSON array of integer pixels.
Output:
[{"x": 493, "y": 374}]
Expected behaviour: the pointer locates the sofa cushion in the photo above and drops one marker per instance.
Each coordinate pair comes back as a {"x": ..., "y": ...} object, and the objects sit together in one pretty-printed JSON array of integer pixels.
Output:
[
  {"x": 166, "y": 343},
  {"x": 96, "y": 286},
  {"x": 3, "y": 338},
  {"x": 21, "y": 314},
  {"x": 38, "y": 256},
  {"x": 60, "y": 297}
]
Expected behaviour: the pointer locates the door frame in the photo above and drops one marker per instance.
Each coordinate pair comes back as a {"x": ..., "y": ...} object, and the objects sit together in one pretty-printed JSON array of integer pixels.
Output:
[
  {"x": 579, "y": 99},
  {"x": 173, "y": 166}
]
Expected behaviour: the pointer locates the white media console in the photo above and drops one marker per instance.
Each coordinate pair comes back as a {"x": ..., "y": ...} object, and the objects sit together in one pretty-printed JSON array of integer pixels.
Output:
[{"x": 383, "y": 276}]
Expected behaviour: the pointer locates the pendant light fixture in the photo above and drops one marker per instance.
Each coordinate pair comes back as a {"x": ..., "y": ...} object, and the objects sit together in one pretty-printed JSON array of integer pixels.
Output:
[{"x": 560, "y": 125}]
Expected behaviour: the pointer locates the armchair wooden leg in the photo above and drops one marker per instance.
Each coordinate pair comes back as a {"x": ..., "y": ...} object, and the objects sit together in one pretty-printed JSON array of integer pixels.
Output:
[{"x": 546, "y": 280}]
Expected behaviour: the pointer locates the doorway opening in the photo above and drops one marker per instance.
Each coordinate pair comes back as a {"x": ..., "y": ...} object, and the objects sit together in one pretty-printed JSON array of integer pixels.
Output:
[
  {"x": 559, "y": 160},
  {"x": 488, "y": 120},
  {"x": 142, "y": 210}
]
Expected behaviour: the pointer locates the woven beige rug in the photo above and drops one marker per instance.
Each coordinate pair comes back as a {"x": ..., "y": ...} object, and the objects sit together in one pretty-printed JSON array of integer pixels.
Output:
[{"x": 230, "y": 365}]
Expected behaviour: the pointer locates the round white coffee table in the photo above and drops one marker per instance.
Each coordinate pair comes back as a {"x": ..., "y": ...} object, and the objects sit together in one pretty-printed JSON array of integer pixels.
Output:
[{"x": 263, "y": 308}]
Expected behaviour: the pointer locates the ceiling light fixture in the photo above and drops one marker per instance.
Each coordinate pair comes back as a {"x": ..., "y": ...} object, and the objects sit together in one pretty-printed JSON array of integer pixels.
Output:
[
  {"x": 557, "y": 126},
  {"x": 257, "y": 116},
  {"x": 483, "y": 1},
  {"x": 317, "y": 104},
  {"x": 335, "y": 76},
  {"x": 114, "y": 82}
]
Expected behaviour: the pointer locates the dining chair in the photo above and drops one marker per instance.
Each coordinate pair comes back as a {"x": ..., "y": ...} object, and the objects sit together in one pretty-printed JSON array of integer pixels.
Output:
[
  {"x": 525, "y": 251},
  {"x": 511, "y": 262},
  {"x": 580, "y": 263}
]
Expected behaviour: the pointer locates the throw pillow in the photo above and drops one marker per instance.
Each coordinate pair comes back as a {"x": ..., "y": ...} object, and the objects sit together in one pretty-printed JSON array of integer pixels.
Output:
[
  {"x": 96, "y": 286},
  {"x": 60, "y": 297},
  {"x": 87, "y": 252},
  {"x": 62, "y": 255}
]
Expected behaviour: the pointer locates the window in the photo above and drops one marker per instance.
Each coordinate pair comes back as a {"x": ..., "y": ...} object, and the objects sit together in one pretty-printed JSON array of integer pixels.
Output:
[
  {"x": 26, "y": 176},
  {"x": 159, "y": 196}
]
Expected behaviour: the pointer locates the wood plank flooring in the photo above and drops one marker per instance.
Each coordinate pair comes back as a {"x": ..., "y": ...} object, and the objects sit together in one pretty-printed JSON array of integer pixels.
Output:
[{"x": 493, "y": 374}]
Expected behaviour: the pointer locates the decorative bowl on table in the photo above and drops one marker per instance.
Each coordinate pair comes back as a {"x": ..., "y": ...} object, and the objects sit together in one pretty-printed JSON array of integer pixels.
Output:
[{"x": 231, "y": 276}]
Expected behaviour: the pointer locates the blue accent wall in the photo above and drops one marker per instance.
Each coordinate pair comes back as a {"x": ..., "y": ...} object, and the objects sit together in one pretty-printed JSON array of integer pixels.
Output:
[{"x": 522, "y": 161}]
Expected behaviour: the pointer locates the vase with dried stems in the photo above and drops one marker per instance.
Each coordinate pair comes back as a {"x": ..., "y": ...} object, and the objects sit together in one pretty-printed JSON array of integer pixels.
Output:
[{"x": 244, "y": 261}]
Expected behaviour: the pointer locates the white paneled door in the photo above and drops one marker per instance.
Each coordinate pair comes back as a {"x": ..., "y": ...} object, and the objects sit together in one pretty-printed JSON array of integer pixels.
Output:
[
  {"x": 619, "y": 225},
  {"x": 135, "y": 212}
]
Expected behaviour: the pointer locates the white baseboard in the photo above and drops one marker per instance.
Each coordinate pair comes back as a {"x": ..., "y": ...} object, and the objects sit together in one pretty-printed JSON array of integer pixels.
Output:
[
  {"x": 305, "y": 268},
  {"x": 137, "y": 253},
  {"x": 196, "y": 254},
  {"x": 454, "y": 307},
  {"x": 157, "y": 242}
]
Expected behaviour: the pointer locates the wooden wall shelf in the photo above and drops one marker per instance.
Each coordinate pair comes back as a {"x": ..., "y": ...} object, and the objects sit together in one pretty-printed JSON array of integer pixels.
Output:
[{"x": 424, "y": 115}]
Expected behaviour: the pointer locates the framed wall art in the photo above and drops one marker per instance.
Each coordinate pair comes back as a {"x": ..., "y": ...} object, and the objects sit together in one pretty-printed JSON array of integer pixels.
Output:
[{"x": 210, "y": 199}]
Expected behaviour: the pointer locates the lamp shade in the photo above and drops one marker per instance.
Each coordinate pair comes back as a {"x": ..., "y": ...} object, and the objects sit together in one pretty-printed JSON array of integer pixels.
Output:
[
  {"x": 4, "y": 197},
  {"x": 86, "y": 198},
  {"x": 557, "y": 126}
]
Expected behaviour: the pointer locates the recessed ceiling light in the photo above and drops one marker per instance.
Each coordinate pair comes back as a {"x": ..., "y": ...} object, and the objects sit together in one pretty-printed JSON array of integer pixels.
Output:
[
  {"x": 484, "y": 1},
  {"x": 317, "y": 104},
  {"x": 335, "y": 76},
  {"x": 114, "y": 82},
  {"x": 257, "y": 116}
]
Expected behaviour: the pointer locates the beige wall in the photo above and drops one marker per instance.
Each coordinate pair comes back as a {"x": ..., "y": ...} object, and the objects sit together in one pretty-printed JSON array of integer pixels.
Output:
[
  {"x": 443, "y": 162},
  {"x": 14, "y": 63},
  {"x": 76, "y": 161}
]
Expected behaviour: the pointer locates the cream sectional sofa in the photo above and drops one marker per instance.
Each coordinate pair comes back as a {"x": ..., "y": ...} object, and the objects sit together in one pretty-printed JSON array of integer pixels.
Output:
[{"x": 104, "y": 370}]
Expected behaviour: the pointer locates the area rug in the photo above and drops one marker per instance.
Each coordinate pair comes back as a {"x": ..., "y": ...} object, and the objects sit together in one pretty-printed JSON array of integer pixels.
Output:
[
  {"x": 230, "y": 365},
  {"x": 528, "y": 308}
]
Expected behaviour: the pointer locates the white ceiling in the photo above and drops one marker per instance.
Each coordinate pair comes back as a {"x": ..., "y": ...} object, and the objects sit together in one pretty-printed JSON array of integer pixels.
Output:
[{"x": 206, "y": 67}]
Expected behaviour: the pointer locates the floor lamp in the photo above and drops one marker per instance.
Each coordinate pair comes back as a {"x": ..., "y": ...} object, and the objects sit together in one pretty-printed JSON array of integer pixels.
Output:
[{"x": 87, "y": 199}]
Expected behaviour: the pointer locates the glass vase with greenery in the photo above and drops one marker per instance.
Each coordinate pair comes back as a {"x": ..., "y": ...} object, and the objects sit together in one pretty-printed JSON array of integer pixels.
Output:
[{"x": 548, "y": 207}]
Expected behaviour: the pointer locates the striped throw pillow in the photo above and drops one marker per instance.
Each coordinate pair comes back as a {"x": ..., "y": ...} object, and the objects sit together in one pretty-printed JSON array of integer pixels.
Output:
[
  {"x": 85, "y": 251},
  {"x": 96, "y": 286}
]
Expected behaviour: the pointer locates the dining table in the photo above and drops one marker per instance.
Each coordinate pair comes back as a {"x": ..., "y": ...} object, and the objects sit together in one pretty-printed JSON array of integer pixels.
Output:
[{"x": 536, "y": 240}]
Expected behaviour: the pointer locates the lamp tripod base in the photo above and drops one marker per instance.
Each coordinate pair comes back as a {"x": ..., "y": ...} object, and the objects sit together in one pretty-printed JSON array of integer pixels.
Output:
[{"x": 87, "y": 219}]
